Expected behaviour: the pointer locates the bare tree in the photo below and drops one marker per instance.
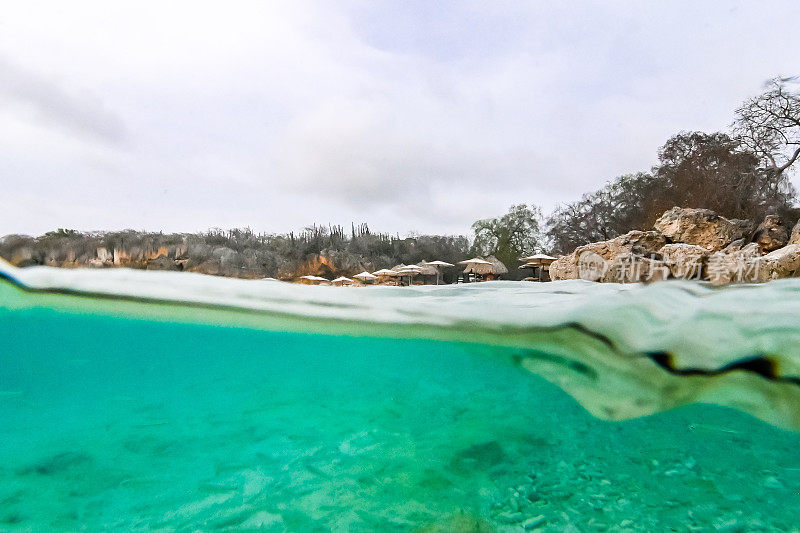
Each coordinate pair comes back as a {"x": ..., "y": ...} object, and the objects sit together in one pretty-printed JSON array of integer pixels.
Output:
[{"x": 769, "y": 125}]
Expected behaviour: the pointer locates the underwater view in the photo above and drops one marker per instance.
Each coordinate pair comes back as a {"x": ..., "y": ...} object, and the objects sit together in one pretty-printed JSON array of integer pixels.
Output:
[{"x": 144, "y": 401}]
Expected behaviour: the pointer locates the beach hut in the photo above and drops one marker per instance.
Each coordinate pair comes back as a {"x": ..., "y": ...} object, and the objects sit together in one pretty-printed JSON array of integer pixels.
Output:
[
  {"x": 487, "y": 269},
  {"x": 366, "y": 276}
]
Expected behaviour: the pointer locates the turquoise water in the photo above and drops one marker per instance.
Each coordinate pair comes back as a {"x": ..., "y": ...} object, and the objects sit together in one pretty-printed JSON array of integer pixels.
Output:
[{"x": 132, "y": 416}]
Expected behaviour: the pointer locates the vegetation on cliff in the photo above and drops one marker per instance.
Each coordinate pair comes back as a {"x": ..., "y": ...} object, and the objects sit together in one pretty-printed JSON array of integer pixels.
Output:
[{"x": 237, "y": 252}]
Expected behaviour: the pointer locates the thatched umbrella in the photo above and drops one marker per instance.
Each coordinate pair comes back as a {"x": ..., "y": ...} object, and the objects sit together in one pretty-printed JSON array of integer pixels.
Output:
[
  {"x": 540, "y": 261},
  {"x": 342, "y": 280},
  {"x": 364, "y": 276},
  {"x": 538, "y": 258},
  {"x": 438, "y": 265},
  {"x": 318, "y": 279},
  {"x": 410, "y": 271},
  {"x": 385, "y": 273},
  {"x": 490, "y": 266},
  {"x": 474, "y": 261}
]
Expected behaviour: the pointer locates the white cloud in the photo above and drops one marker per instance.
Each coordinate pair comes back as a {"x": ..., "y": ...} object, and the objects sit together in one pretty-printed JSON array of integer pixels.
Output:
[{"x": 411, "y": 116}]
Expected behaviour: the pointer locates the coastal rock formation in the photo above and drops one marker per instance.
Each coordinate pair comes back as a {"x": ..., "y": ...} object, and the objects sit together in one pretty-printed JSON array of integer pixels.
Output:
[
  {"x": 639, "y": 243},
  {"x": 163, "y": 263},
  {"x": 565, "y": 267},
  {"x": 782, "y": 263},
  {"x": 632, "y": 268},
  {"x": 794, "y": 238},
  {"x": 331, "y": 265},
  {"x": 733, "y": 265},
  {"x": 771, "y": 234},
  {"x": 689, "y": 244},
  {"x": 685, "y": 261},
  {"x": 701, "y": 227}
]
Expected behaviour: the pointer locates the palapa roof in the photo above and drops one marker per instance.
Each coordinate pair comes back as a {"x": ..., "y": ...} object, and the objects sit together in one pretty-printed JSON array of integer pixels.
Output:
[
  {"x": 313, "y": 278},
  {"x": 474, "y": 261},
  {"x": 540, "y": 258},
  {"x": 365, "y": 275},
  {"x": 427, "y": 269},
  {"x": 494, "y": 267},
  {"x": 423, "y": 268}
]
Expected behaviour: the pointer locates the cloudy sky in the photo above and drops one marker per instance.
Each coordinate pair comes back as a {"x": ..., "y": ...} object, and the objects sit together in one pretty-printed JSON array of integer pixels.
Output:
[{"x": 410, "y": 115}]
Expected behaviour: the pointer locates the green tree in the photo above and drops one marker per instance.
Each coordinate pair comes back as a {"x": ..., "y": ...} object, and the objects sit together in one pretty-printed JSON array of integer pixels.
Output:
[{"x": 509, "y": 236}]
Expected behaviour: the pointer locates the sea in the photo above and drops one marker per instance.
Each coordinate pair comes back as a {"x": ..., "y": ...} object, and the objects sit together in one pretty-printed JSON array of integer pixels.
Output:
[{"x": 160, "y": 401}]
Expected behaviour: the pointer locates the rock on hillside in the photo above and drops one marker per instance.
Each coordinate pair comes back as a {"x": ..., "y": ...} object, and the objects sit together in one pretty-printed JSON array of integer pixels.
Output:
[
  {"x": 638, "y": 243},
  {"x": 771, "y": 234},
  {"x": 701, "y": 227},
  {"x": 690, "y": 244},
  {"x": 794, "y": 238},
  {"x": 782, "y": 263}
]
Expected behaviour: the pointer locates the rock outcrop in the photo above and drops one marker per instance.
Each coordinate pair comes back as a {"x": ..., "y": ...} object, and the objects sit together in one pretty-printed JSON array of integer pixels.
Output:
[
  {"x": 690, "y": 244},
  {"x": 781, "y": 263},
  {"x": 771, "y": 234},
  {"x": 701, "y": 227},
  {"x": 577, "y": 264},
  {"x": 794, "y": 238},
  {"x": 685, "y": 261},
  {"x": 733, "y": 265}
]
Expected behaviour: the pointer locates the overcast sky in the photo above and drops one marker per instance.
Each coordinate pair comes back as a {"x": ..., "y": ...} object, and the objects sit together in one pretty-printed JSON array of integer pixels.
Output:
[{"x": 411, "y": 116}]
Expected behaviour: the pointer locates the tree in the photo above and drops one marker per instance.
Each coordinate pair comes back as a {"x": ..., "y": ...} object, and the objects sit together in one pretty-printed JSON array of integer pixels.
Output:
[
  {"x": 509, "y": 236},
  {"x": 769, "y": 125},
  {"x": 695, "y": 169},
  {"x": 621, "y": 205},
  {"x": 714, "y": 171}
]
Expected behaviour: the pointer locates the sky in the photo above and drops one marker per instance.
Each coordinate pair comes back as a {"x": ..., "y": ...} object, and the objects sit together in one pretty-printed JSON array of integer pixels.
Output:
[{"x": 412, "y": 116}]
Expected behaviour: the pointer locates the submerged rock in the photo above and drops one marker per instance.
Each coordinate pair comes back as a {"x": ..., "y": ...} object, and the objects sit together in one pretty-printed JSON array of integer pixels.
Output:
[
  {"x": 57, "y": 464},
  {"x": 481, "y": 456}
]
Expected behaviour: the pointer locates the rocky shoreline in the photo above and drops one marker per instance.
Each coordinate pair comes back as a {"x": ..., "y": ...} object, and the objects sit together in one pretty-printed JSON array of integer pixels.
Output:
[{"x": 688, "y": 243}]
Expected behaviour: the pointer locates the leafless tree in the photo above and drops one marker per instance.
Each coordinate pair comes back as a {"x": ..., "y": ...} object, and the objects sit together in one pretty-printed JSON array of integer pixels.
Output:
[{"x": 769, "y": 124}]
